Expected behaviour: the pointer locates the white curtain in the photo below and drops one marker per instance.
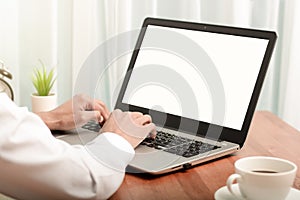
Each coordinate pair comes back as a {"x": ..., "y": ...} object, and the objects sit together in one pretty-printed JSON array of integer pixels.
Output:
[
  {"x": 28, "y": 32},
  {"x": 64, "y": 33},
  {"x": 289, "y": 107}
]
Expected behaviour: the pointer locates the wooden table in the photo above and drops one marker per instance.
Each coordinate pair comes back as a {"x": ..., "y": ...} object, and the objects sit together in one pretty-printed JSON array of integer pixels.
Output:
[{"x": 268, "y": 136}]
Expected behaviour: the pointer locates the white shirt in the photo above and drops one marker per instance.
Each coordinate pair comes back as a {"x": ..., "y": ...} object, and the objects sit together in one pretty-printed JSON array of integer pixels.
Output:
[{"x": 35, "y": 165}]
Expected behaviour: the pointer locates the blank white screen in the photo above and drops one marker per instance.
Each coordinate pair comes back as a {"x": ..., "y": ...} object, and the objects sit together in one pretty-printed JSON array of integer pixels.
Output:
[{"x": 237, "y": 60}]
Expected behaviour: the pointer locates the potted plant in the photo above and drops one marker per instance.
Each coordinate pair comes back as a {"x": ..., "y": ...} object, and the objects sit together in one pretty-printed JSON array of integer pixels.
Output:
[{"x": 43, "y": 99}]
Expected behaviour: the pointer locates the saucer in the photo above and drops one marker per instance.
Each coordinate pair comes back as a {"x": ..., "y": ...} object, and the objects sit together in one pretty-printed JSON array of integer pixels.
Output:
[{"x": 224, "y": 194}]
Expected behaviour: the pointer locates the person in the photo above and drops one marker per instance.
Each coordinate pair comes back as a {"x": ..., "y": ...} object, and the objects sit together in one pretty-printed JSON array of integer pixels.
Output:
[{"x": 36, "y": 165}]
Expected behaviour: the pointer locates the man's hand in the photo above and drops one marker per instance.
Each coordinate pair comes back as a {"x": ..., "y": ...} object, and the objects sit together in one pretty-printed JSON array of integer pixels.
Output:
[
  {"x": 75, "y": 112},
  {"x": 133, "y": 126}
]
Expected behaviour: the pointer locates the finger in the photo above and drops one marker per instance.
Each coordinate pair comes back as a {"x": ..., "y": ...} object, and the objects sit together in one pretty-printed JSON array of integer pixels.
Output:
[
  {"x": 104, "y": 115},
  {"x": 105, "y": 109},
  {"x": 118, "y": 114},
  {"x": 136, "y": 115},
  {"x": 85, "y": 116},
  {"x": 145, "y": 119},
  {"x": 117, "y": 111},
  {"x": 150, "y": 130},
  {"x": 102, "y": 111},
  {"x": 83, "y": 101}
]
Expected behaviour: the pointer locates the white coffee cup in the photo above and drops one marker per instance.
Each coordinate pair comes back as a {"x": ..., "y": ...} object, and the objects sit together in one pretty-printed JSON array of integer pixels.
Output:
[{"x": 261, "y": 178}]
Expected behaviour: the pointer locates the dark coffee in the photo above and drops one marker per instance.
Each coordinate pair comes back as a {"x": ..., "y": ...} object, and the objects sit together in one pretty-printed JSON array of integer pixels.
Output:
[{"x": 264, "y": 171}]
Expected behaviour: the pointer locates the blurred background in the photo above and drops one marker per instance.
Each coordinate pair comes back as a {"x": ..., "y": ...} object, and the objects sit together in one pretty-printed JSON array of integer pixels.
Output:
[{"x": 64, "y": 33}]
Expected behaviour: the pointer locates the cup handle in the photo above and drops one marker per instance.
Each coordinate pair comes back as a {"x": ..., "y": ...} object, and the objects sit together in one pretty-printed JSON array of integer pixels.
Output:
[{"x": 229, "y": 183}]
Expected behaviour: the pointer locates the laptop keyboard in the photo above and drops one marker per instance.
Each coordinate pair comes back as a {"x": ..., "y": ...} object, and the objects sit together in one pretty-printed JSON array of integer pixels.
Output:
[
  {"x": 92, "y": 126},
  {"x": 178, "y": 145},
  {"x": 168, "y": 142}
]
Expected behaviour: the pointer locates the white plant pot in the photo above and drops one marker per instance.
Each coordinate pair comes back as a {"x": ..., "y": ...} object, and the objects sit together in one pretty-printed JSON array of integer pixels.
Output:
[{"x": 43, "y": 103}]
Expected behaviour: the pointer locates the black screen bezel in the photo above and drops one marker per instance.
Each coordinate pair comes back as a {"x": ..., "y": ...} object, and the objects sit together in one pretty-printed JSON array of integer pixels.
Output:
[{"x": 172, "y": 121}]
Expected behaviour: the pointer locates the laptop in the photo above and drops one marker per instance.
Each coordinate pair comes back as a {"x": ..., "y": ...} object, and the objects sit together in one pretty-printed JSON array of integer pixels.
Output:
[{"x": 200, "y": 83}]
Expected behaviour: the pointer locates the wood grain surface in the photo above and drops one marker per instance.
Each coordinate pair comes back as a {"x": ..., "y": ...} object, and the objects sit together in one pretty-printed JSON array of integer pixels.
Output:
[{"x": 268, "y": 136}]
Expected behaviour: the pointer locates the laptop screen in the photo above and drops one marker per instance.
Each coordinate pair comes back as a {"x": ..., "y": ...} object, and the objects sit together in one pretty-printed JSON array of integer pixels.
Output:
[{"x": 166, "y": 81}]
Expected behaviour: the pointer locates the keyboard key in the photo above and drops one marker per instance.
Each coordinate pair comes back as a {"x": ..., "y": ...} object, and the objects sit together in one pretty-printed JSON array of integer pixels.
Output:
[
  {"x": 92, "y": 126},
  {"x": 178, "y": 145}
]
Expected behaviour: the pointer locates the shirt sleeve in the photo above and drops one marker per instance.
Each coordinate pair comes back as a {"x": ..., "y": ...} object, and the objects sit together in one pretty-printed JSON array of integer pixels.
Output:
[{"x": 35, "y": 165}]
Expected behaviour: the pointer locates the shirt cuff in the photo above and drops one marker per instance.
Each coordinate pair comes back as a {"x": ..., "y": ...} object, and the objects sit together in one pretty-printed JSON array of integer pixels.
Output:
[{"x": 111, "y": 150}]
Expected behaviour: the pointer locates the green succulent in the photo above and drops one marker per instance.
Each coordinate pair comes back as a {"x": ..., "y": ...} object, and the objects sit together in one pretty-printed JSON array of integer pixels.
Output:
[{"x": 43, "y": 81}]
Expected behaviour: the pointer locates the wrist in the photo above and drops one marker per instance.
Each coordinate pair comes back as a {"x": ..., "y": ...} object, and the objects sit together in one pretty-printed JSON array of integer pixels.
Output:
[
  {"x": 134, "y": 141},
  {"x": 50, "y": 120}
]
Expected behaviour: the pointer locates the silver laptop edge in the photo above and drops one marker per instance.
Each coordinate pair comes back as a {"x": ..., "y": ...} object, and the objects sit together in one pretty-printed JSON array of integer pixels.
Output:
[{"x": 155, "y": 161}]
